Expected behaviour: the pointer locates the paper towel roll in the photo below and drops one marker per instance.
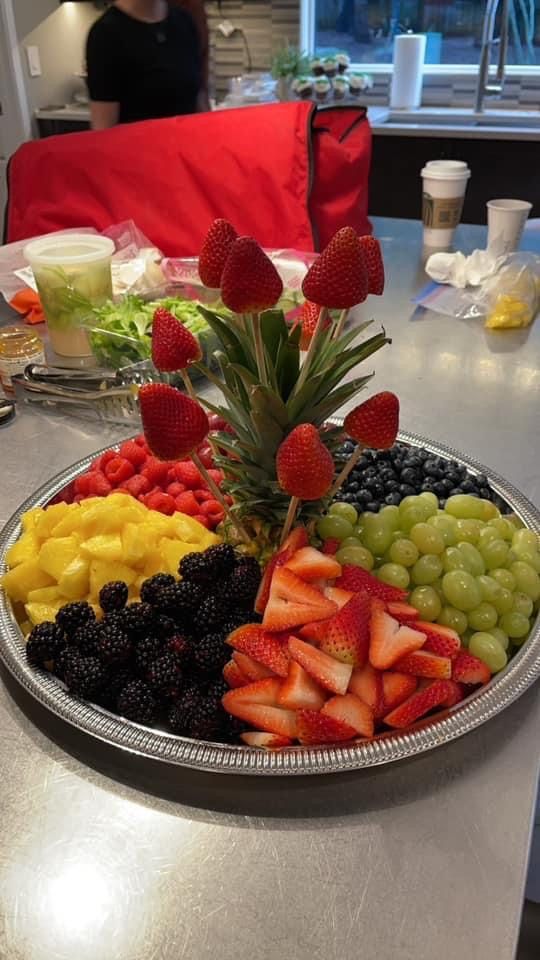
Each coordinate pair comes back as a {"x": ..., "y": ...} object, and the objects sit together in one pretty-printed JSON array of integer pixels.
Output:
[{"x": 409, "y": 53}]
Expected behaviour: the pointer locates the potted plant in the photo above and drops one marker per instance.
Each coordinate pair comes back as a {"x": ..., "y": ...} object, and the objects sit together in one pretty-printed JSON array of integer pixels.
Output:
[{"x": 289, "y": 62}]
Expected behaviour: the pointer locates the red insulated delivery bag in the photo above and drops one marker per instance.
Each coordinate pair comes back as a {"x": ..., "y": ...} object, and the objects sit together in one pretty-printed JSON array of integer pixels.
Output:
[{"x": 288, "y": 174}]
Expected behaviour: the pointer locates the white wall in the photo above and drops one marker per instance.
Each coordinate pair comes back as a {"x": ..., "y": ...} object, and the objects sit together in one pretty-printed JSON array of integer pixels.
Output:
[{"x": 59, "y": 30}]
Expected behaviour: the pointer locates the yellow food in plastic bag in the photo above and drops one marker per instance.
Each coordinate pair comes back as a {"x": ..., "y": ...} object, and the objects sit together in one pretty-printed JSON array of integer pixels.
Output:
[{"x": 509, "y": 311}]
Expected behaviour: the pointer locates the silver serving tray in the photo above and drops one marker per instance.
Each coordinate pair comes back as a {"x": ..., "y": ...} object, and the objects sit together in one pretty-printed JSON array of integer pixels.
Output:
[{"x": 504, "y": 688}]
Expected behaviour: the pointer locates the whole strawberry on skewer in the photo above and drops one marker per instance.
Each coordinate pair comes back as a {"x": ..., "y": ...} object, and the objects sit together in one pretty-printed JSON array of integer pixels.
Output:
[
  {"x": 374, "y": 423},
  {"x": 174, "y": 348},
  {"x": 305, "y": 469},
  {"x": 174, "y": 426},
  {"x": 214, "y": 252}
]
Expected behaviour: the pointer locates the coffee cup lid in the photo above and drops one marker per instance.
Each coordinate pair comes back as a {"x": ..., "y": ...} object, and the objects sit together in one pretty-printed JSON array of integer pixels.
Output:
[{"x": 446, "y": 170}]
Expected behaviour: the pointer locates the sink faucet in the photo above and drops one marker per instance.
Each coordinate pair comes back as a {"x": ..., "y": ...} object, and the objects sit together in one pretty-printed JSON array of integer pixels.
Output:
[{"x": 484, "y": 87}]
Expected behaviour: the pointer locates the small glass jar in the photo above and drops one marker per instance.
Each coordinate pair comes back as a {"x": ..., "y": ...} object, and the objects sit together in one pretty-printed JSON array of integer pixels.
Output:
[{"x": 18, "y": 348}]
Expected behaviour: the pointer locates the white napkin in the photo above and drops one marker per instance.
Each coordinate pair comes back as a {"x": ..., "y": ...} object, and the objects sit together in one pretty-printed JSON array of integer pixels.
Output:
[{"x": 461, "y": 271}]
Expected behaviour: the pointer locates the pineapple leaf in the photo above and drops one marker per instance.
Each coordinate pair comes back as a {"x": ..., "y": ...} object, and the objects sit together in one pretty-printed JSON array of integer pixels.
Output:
[
  {"x": 288, "y": 366},
  {"x": 327, "y": 406},
  {"x": 299, "y": 401},
  {"x": 266, "y": 402},
  {"x": 274, "y": 331},
  {"x": 236, "y": 342},
  {"x": 332, "y": 348}
]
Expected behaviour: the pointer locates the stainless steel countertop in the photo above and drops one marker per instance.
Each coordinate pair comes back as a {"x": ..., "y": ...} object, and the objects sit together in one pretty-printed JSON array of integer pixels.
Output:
[{"x": 106, "y": 857}]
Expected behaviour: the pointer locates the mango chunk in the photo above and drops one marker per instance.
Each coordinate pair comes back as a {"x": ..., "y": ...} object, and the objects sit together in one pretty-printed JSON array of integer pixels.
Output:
[
  {"x": 23, "y": 578},
  {"x": 75, "y": 580},
  {"x": 56, "y": 554},
  {"x": 23, "y": 549},
  {"x": 104, "y": 546}
]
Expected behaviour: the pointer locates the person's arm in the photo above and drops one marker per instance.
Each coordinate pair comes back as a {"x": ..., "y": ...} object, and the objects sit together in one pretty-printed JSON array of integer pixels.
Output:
[
  {"x": 198, "y": 14},
  {"x": 102, "y": 77},
  {"x": 104, "y": 114}
]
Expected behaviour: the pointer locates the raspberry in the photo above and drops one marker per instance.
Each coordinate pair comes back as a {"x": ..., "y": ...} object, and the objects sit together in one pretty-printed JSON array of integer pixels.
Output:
[
  {"x": 186, "y": 503},
  {"x": 141, "y": 441},
  {"x": 81, "y": 485},
  {"x": 74, "y": 615},
  {"x": 212, "y": 509},
  {"x": 133, "y": 452},
  {"x": 113, "y": 596},
  {"x": 189, "y": 474},
  {"x": 217, "y": 476},
  {"x": 175, "y": 488},
  {"x": 204, "y": 521},
  {"x": 155, "y": 471},
  {"x": 202, "y": 495},
  {"x": 205, "y": 455},
  {"x": 137, "y": 703},
  {"x": 45, "y": 643},
  {"x": 161, "y": 502},
  {"x": 118, "y": 470},
  {"x": 99, "y": 485},
  {"x": 137, "y": 485}
]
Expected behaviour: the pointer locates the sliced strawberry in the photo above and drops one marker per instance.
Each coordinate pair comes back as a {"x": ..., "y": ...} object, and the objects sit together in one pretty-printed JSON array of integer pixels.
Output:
[
  {"x": 314, "y": 728},
  {"x": 375, "y": 423},
  {"x": 269, "y": 741},
  {"x": 331, "y": 546},
  {"x": 293, "y": 602},
  {"x": 330, "y": 673},
  {"x": 345, "y": 636},
  {"x": 250, "y": 668},
  {"x": 422, "y": 663},
  {"x": 297, "y": 539},
  {"x": 356, "y": 579},
  {"x": 467, "y": 668},
  {"x": 366, "y": 683},
  {"x": 457, "y": 693},
  {"x": 234, "y": 676},
  {"x": 420, "y": 703},
  {"x": 402, "y": 611},
  {"x": 352, "y": 711},
  {"x": 396, "y": 688},
  {"x": 390, "y": 641},
  {"x": 339, "y": 596},
  {"x": 261, "y": 646},
  {"x": 441, "y": 640},
  {"x": 304, "y": 466},
  {"x": 256, "y": 704},
  {"x": 310, "y": 564},
  {"x": 300, "y": 691},
  {"x": 265, "y": 692}
]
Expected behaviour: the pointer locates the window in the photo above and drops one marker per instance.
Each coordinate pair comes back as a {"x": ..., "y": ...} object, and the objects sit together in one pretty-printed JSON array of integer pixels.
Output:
[{"x": 365, "y": 29}]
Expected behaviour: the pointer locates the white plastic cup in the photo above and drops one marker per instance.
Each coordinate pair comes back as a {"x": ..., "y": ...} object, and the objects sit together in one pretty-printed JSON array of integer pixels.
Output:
[
  {"x": 443, "y": 190},
  {"x": 72, "y": 274},
  {"x": 506, "y": 219}
]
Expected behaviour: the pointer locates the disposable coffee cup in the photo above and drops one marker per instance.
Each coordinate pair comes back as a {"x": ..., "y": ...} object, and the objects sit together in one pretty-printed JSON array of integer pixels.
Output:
[
  {"x": 443, "y": 190},
  {"x": 506, "y": 219}
]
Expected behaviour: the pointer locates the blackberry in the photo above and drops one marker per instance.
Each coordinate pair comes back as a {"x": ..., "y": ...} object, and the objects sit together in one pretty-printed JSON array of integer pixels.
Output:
[
  {"x": 74, "y": 615},
  {"x": 117, "y": 679},
  {"x": 242, "y": 584},
  {"x": 45, "y": 643},
  {"x": 217, "y": 690},
  {"x": 180, "y": 646},
  {"x": 210, "y": 654},
  {"x": 164, "y": 676},
  {"x": 137, "y": 702},
  {"x": 152, "y": 587},
  {"x": 213, "y": 612},
  {"x": 209, "y": 566},
  {"x": 181, "y": 711},
  {"x": 113, "y": 596},
  {"x": 237, "y": 619},
  {"x": 63, "y": 660},
  {"x": 206, "y": 720},
  {"x": 86, "y": 638},
  {"x": 84, "y": 675},
  {"x": 147, "y": 650},
  {"x": 114, "y": 644},
  {"x": 163, "y": 626},
  {"x": 137, "y": 618},
  {"x": 231, "y": 728},
  {"x": 181, "y": 599}
]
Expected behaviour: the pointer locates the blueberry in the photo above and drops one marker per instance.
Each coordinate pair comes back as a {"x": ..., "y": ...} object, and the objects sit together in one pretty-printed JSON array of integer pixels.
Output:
[
  {"x": 398, "y": 463},
  {"x": 370, "y": 471},
  {"x": 393, "y": 499},
  {"x": 423, "y": 454},
  {"x": 373, "y": 506},
  {"x": 432, "y": 469},
  {"x": 387, "y": 474},
  {"x": 486, "y": 493},
  {"x": 377, "y": 488},
  {"x": 353, "y": 486},
  {"x": 455, "y": 491},
  {"x": 468, "y": 486},
  {"x": 442, "y": 502},
  {"x": 447, "y": 484},
  {"x": 348, "y": 498},
  {"x": 482, "y": 480},
  {"x": 406, "y": 490},
  {"x": 391, "y": 486},
  {"x": 439, "y": 488},
  {"x": 409, "y": 475},
  {"x": 384, "y": 455},
  {"x": 363, "y": 495},
  {"x": 343, "y": 451}
]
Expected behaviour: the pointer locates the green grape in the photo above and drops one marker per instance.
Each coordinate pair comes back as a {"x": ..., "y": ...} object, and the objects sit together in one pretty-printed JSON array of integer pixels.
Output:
[
  {"x": 501, "y": 636},
  {"x": 525, "y": 540},
  {"x": 446, "y": 526},
  {"x": 453, "y": 559},
  {"x": 427, "y": 602},
  {"x": 483, "y": 617},
  {"x": 420, "y": 505},
  {"x": 504, "y": 578},
  {"x": 489, "y": 588},
  {"x": 515, "y": 625},
  {"x": 503, "y": 602},
  {"x": 487, "y": 648},
  {"x": 331, "y": 526},
  {"x": 464, "y": 507},
  {"x": 359, "y": 528},
  {"x": 358, "y": 556},
  {"x": 377, "y": 541},
  {"x": 432, "y": 500},
  {"x": 486, "y": 535},
  {"x": 410, "y": 517},
  {"x": 503, "y": 528},
  {"x": 345, "y": 510},
  {"x": 350, "y": 542},
  {"x": 468, "y": 530},
  {"x": 461, "y": 590},
  {"x": 394, "y": 574},
  {"x": 426, "y": 569},
  {"x": 456, "y": 619},
  {"x": 404, "y": 552},
  {"x": 527, "y": 579},
  {"x": 522, "y": 604},
  {"x": 473, "y": 558},
  {"x": 495, "y": 554},
  {"x": 427, "y": 538},
  {"x": 532, "y": 557},
  {"x": 437, "y": 586},
  {"x": 391, "y": 516}
]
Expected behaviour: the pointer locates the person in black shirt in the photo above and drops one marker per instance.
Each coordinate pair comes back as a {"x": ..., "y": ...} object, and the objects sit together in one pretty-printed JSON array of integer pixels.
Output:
[{"x": 143, "y": 62}]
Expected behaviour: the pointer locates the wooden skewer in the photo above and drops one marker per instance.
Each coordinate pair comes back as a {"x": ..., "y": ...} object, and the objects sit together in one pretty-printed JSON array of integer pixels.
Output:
[
  {"x": 188, "y": 384},
  {"x": 259, "y": 348},
  {"x": 289, "y": 519},
  {"x": 312, "y": 348},
  {"x": 350, "y": 465},
  {"x": 241, "y": 531},
  {"x": 340, "y": 324}
]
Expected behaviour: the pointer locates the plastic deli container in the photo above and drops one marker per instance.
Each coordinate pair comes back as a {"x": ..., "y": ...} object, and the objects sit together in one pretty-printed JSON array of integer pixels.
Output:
[{"x": 72, "y": 274}]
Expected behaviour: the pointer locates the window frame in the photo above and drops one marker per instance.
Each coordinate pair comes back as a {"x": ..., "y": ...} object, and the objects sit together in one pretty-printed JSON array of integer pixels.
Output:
[{"x": 307, "y": 42}]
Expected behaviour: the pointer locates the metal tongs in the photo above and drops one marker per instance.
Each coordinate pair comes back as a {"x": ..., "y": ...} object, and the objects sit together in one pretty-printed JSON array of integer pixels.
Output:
[{"x": 93, "y": 393}]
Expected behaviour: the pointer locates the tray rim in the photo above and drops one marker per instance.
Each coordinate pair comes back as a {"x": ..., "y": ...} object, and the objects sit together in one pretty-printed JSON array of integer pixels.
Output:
[{"x": 504, "y": 688}]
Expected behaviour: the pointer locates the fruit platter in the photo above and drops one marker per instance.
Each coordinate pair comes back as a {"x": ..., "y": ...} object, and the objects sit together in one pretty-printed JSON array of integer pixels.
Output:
[{"x": 255, "y": 585}]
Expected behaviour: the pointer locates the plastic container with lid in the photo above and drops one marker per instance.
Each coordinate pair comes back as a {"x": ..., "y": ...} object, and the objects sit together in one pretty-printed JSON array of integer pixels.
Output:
[
  {"x": 72, "y": 274},
  {"x": 18, "y": 348}
]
